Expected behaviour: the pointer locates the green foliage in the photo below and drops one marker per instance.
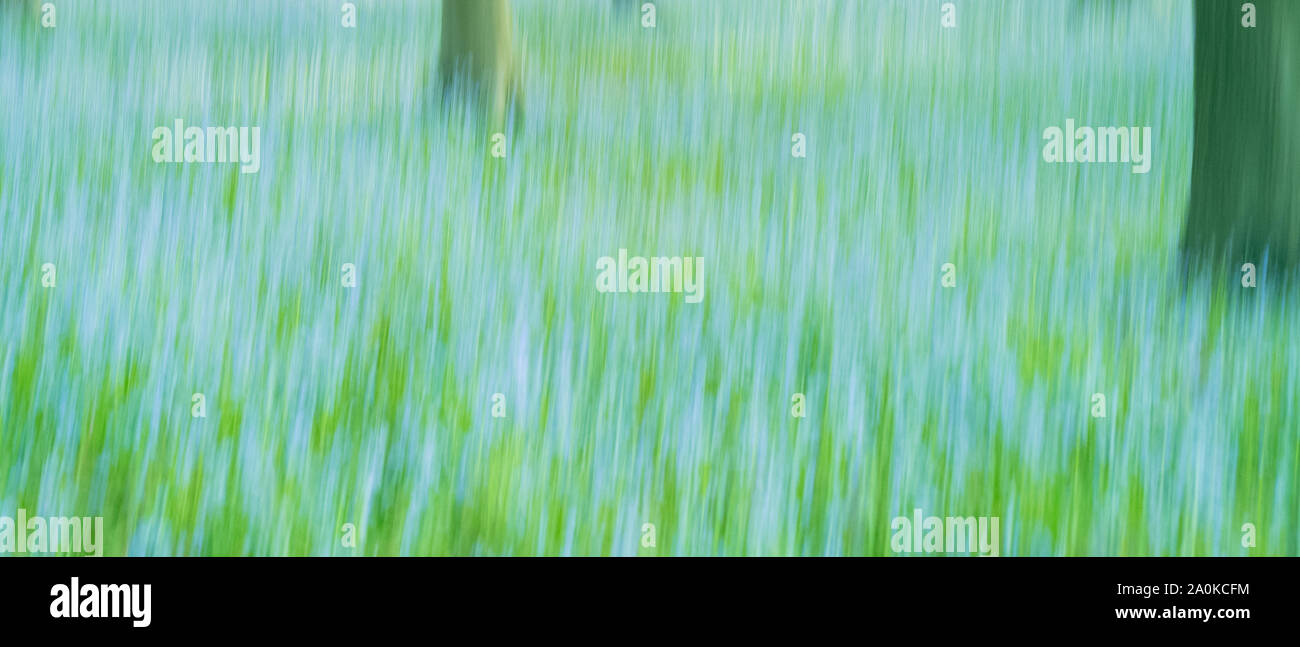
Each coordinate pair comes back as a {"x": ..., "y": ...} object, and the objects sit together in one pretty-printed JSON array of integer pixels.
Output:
[{"x": 372, "y": 405}]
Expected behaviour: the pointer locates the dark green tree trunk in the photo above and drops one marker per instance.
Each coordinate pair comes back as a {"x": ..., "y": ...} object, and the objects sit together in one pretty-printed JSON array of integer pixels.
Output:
[
  {"x": 1245, "y": 193},
  {"x": 477, "y": 53}
]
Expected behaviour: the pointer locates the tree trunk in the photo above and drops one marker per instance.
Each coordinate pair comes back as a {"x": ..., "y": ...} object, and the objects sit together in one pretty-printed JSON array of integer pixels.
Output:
[
  {"x": 477, "y": 54},
  {"x": 1245, "y": 193}
]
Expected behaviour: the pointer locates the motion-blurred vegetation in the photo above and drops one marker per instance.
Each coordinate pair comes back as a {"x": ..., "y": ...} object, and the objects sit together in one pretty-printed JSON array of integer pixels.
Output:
[{"x": 370, "y": 405}]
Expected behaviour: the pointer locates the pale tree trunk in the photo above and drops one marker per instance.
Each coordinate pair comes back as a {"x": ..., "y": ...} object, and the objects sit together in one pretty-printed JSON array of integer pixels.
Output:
[
  {"x": 1245, "y": 192},
  {"x": 477, "y": 54}
]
